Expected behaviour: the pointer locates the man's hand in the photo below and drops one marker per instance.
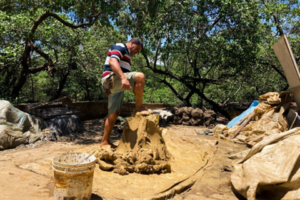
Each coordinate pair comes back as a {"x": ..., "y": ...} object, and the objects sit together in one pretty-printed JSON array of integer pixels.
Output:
[
  {"x": 125, "y": 84},
  {"x": 114, "y": 64}
]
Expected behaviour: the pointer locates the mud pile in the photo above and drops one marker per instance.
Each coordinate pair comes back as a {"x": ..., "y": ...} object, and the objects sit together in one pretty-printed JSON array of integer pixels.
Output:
[{"x": 142, "y": 149}]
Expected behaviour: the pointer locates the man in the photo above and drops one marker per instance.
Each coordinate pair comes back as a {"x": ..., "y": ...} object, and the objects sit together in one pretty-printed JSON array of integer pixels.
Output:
[{"x": 116, "y": 78}]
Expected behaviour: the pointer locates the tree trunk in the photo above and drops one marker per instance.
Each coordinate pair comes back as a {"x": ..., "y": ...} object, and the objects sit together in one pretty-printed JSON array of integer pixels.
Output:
[
  {"x": 22, "y": 80},
  {"x": 188, "y": 97},
  {"x": 61, "y": 86},
  {"x": 87, "y": 97},
  {"x": 32, "y": 90}
]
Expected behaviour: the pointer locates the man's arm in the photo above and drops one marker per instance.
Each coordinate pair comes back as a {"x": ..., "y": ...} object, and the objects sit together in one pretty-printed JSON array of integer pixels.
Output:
[{"x": 116, "y": 68}]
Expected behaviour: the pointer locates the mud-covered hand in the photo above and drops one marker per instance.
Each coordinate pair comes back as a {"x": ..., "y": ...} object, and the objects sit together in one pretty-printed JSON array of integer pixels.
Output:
[{"x": 125, "y": 84}]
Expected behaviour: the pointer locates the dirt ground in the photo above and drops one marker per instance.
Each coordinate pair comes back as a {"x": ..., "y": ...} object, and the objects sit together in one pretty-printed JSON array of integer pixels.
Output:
[{"x": 17, "y": 183}]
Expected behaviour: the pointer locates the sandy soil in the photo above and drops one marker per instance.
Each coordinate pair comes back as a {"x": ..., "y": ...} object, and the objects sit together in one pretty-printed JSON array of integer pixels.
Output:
[{"x": 17, "y": 183}]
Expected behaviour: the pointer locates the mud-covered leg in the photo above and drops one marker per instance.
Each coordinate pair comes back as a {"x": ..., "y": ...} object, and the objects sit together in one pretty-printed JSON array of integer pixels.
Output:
[
  {"x": 139, "y": 83},
  {"x": 109, "y": 124}
]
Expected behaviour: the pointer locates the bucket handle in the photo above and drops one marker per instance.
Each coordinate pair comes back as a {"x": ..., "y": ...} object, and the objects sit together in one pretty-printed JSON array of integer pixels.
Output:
[
  {"x": 67, "y": 168},
  {"x": 87, "y": 157}
]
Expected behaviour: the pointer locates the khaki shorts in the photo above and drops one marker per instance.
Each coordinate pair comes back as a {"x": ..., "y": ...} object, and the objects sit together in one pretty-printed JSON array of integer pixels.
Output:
[{"x": 112, "y": 86}]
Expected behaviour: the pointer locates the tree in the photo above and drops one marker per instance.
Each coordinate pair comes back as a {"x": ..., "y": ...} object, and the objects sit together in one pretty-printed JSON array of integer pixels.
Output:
[
  {"x": 197, "y": 53},
  {"x": 199, "y": 42},
  {"x": 40, "y": 35}
]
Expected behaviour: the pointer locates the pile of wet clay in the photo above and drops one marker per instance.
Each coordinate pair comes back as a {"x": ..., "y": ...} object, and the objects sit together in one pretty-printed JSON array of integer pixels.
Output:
[{"x": 142, "y": 149}]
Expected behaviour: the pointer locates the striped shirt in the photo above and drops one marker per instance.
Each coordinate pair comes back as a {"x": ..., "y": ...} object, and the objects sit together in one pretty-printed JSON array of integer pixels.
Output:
[{"x": 121, "y": 53}]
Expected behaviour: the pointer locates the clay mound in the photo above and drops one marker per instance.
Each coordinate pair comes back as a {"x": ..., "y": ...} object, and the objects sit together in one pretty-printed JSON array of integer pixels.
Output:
[
  {"x": 185, "y": 117},
  {"x": 185, "y": 110},
  {"x": 178, "y": 112},
  {"x": 177, "y": 120},
  {"x": 186, "y": 123},
  {"x": 173, "y": 110},
  {"x": 142, "y": 149},
  {"x": 197, "y": 113},
  {"x": 196, "y": 122},
  {"x": 209, "y": 118}
]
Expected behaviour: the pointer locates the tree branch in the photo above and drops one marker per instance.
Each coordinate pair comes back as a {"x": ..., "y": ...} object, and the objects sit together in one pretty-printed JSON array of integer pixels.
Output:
[
  {"x": 37, "y": 69},
  {"x": 188, "y": 97},
  {"x": 276, "y": 20},
  {"x": 228, "y": 96},
  {"x": 156, "y": 53},
  {"x": 276, "y": 69},
  {"x": 92, "y": 20},
  {"x": 171, "y": 87},
  {"x": 201, "y": 80},
  {"x": 44, "y": 55},
  {"x": 147, "y": 61},
  {"x": 277, "y": 23}
]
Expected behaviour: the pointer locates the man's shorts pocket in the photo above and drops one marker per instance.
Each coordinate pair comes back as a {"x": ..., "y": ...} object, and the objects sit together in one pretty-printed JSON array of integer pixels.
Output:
[{"x": 108, "y": 84}]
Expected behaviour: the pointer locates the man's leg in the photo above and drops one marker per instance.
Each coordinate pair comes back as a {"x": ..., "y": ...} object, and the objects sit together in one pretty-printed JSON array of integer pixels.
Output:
[
  {"x": 109, "y": 124},
  {"x": 139, "y": 83}
]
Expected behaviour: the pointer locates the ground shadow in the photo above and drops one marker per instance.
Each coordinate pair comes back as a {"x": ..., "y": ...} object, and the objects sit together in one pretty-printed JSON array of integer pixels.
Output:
[
  {"x": 237, "y": 195},
  {"x": 96, "y": 197},
  {"x": 94, "y": 130}
]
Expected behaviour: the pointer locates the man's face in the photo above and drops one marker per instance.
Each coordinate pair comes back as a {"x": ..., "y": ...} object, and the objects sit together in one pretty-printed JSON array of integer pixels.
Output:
[{"x": 134, "y": 49}]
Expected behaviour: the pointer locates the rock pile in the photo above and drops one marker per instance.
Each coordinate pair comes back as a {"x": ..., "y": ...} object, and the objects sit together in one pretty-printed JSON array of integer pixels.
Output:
[{"x": 193, "y": 117}]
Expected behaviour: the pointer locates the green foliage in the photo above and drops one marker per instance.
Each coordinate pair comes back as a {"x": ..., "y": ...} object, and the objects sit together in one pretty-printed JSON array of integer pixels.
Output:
[{"x": 196, "y": 52}]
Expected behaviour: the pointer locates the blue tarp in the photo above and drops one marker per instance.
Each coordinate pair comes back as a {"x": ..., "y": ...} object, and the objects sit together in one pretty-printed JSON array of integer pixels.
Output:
[{"x": 238, "y": 118}]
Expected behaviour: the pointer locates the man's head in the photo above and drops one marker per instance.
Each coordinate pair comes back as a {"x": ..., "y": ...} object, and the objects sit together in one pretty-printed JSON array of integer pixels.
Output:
[{"x": 135, "y": 45}]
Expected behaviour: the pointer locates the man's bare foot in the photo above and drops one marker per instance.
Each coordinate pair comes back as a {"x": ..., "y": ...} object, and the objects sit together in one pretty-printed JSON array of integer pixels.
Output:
[
  {"x": 143, "y": 111},
  {"x": 103, "y": 143}
]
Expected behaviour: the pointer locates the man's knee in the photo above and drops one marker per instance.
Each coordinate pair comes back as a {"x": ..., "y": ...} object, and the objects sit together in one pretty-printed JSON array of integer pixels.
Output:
[
  {"x": 140, "y": 77},
  {"x": 114, "y": 115}
]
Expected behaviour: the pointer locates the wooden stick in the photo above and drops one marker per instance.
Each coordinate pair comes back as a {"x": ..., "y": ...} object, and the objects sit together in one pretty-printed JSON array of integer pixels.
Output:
[
  {"x": 243, "y": 119},
  {"x": 242, "y": 126}
]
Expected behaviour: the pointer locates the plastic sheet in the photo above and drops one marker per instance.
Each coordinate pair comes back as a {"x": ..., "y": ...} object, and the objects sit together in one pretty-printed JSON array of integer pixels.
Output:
[
  {"x": 17, "y": 127},
  {"x": 235, "y": 120}
]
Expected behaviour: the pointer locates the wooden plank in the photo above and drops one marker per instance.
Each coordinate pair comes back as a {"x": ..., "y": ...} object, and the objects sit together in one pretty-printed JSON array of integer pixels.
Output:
[{"x": 286, "y": 58}]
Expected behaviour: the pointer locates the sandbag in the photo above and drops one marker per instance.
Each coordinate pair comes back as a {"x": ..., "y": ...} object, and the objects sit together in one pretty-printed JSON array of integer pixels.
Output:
[
  {"x": 271, "y": 98},
  {"x": 268, "y": 117}
]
